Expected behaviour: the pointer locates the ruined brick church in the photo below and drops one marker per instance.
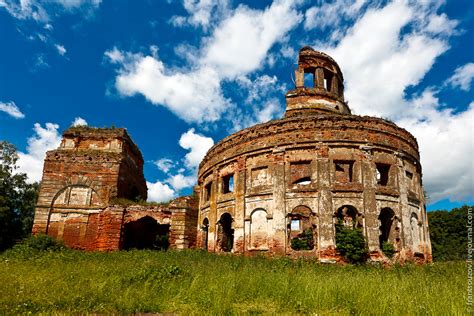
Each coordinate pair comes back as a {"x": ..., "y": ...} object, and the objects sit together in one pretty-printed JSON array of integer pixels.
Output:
[{"x": 278, "y": 188}]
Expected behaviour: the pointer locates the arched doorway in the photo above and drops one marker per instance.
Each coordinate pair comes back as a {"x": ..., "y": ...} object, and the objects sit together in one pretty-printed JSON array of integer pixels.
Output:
[
  {"x": 205, "y": 235},
  {"x": 387, "y": 226},
  {"x": 347, "y": 216},
  {"x": 225, "y": 233},
  {"x": 300, "y": 228},
  {"x": 145, "y": 233}
]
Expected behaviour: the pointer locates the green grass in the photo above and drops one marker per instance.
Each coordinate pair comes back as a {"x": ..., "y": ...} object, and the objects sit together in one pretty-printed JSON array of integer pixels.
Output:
[{"x": 193, "y": 282}]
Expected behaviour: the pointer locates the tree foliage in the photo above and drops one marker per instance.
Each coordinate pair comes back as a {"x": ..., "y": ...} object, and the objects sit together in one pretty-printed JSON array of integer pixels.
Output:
[
  {"x": 448, "y": 233},
  {"x": 350, "y": 243},
  {"x": 17, "y": 199}
]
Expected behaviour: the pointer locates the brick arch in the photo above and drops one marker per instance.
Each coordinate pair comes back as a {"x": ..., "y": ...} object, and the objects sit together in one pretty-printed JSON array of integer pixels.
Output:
[
  {"x": 94, "y": 193},
  {"x": 76, "y": 181}
]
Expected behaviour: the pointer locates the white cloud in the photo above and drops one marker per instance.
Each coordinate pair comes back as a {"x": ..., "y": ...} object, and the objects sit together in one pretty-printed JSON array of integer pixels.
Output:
[
  {"x": 198, "y": 145},
  {"x": 201, "y": 13},
  {"x": 61, "y": 49},
  {"x": 180, "y": 181},
  {"x": 331, "y": 13},
  {"x": 379, "y": 61},
  {"x": 236, "y": 47},
  {"x": 164, "y": 164},
  {"x": 32, "y": 161},
  {"x": 241, "y": 42},
  {"x": 462, "y": 77},
  {"x": 37, "y": 10},
  {"x": 446, "y": 147},
  {"x": 79, "y": 121},
  {"x": 11, "y": 109},
  {"x": 194, "y": 97},
  {"x": 159, "y": 192}
]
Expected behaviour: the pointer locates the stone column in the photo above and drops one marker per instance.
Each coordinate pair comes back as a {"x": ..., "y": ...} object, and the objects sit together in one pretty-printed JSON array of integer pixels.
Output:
[
  {"x": 239, "y": 193},
  {"x": 299, "y": 77},
  {"x": 319, "y": 78},
  {"x": 372, "y": 226},
  {"x": 278, "y": 211},
  {"x": 326, "y": 212}
]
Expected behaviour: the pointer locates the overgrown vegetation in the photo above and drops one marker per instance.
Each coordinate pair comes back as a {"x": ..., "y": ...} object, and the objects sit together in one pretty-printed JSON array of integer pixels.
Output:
[
  {"x": 195, "y": 282},
  {"x": 17, "y": 199},
  {"x": 350, "y": 243},
  {"x": 303, "y": 241},
  {"x": 388, "y": 249},
  {"x": 448, "y": 233}
]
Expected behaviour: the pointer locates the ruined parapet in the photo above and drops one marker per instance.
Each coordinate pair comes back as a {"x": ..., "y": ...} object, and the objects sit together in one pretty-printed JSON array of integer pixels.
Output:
[
  {"x": 319, "y": 86},
  {"x": 297, "y": 177},
  {"x": 90, "y": 167}
]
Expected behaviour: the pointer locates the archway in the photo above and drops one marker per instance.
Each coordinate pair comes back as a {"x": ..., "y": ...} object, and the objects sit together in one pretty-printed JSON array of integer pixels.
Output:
[
  {"x": 387, "y": 226},
  {"x": 347, "y": 216},
  {"x": 225, "y": 233},
  {"x": 300, "y": 228},
  {"x": 145, "y": 233}
]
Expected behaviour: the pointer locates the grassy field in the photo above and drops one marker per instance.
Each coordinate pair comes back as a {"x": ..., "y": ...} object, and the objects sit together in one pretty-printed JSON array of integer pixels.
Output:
[{"x": 193, "y": 282}]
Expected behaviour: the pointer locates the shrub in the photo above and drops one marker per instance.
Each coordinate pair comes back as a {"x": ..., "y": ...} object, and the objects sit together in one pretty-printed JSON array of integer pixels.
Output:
[
  {"x": 35, "y": 244},
  {"x": 303, "y": 241},
  {"x": 388, "y": 249},
  {"x": 350, "y": 243}
]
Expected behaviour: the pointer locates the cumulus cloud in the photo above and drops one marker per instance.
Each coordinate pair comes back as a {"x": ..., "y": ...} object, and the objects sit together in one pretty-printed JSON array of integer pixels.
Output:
[
  {"x": 79, "y": 121},
  {"x": 180, "y": 181},
  {"x": 197, "y": 144},
  {"x": 45, "y": 138},
  {"x": 159, "y": 192},
  {"x": 179, "y": 178},
  {"x": 462, "y": 77},
  {"x": 11, "y": 109},
  {"x": 446, "y": 147},
  {"x": 380, "y": 61},
  {"x": 237, "y": 46}
]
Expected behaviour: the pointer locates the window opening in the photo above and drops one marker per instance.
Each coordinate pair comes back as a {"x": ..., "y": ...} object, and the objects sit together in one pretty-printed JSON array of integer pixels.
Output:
[
  {"x": 382, "y": 171},
  {"x": 228, "y": 184}
]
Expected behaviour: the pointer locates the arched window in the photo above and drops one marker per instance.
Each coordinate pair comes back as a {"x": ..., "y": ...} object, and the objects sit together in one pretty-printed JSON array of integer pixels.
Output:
[{"x": 300, "y": 228}]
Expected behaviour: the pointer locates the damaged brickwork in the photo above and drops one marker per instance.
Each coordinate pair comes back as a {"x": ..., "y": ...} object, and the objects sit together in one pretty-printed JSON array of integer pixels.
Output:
[
  {"x": 82, "y": 179},
  {"x": 297, "y": 177}
]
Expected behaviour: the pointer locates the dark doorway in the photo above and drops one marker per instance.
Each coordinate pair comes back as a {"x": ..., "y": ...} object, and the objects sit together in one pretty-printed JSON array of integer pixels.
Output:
[
  {"x": 145, "y": 233},
  {"x": 205, "y": 231},
  {"x": 225, "y": 233},
  {"x": 386, "y": 222}
]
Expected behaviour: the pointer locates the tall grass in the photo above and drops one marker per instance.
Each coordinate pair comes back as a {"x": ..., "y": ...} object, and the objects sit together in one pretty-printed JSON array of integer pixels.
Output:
[{"x": 194, "y": 282}]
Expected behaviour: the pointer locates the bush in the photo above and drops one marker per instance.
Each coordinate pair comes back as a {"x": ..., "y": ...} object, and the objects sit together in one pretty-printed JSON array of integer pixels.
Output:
[
  {"x": 350, "y": 243},
  {"x": 388, "y": 249},
  {"x": 303, "y": 241},
  {"x": 35, "y": 244}
]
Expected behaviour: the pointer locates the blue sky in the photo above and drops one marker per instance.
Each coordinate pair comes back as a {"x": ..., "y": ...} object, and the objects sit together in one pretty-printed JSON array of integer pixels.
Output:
[{"x": 181, "y": 75}]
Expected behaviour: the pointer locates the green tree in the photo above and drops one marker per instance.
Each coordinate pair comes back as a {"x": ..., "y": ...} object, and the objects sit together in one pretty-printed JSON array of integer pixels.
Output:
[
  {"x": 17, "y": 198},
  {"x": 350, "y": 243},
  {"x": 448, "y": 233}
]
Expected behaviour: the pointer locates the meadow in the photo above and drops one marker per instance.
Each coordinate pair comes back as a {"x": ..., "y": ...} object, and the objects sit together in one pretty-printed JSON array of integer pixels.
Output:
[{"x": 195, "y": 282}]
